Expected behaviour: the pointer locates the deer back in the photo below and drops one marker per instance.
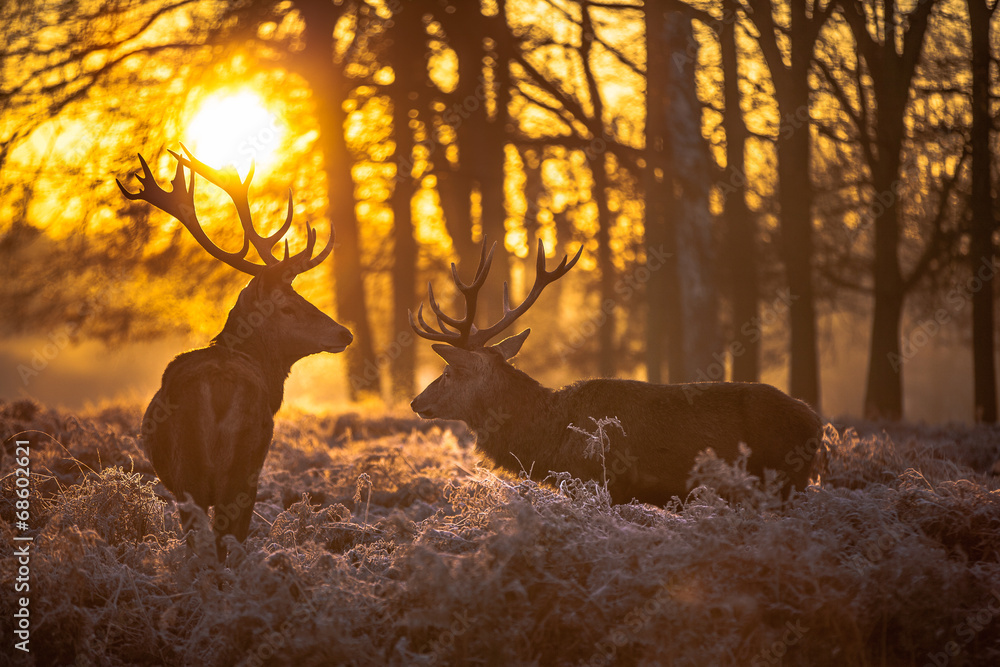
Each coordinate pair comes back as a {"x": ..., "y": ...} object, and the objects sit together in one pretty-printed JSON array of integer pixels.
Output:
[
  {"x": 666, "y": 426},
  {"x": 211, "y": 422}
]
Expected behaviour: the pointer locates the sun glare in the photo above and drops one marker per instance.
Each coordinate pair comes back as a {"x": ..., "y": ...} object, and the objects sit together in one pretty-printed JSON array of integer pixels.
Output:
[{"x": 235, "y": 129}]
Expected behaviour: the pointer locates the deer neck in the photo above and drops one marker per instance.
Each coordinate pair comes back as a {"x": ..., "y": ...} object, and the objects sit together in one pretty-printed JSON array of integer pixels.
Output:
[
  {"x": 239, "y": 336},
  {"x": 521, "y": 426}
]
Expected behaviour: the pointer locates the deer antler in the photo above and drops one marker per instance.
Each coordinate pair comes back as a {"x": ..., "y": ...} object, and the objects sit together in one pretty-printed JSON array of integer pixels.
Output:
[
  {"x": 464, "y": 327},
  {"x": 179, "y": 203},
  {"x": 463, "y": 333},
  {"x": 542, "y": 278}
]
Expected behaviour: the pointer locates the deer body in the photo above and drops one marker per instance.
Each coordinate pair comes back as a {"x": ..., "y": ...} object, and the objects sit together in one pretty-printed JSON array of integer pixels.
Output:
[
  {"x": 220, "y": 408},
  {"x": 208, "y": 428},
  {"x": 522, "y": 425}
]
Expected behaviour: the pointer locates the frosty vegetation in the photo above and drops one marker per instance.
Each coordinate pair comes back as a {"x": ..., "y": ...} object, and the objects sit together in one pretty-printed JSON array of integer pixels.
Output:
[{"x": 378, "y": 541}]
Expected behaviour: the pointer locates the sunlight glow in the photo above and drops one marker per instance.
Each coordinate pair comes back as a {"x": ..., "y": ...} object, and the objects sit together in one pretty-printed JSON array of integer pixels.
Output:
[{"x": 235, "y": 129}]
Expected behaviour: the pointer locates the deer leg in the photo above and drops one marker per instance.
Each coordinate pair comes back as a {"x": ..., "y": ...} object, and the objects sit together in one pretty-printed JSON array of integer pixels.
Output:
[
  {"x": 190, "y": 517},
  {"x": 187, "y": 527},
  {"x": 232, "y": 515}
]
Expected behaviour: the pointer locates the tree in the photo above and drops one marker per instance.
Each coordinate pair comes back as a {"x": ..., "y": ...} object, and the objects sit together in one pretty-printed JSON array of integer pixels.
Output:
[
  {"x": 794, "y": 148},
  {"x": 741, "y": 230},
  {"x": 407, "y": 38},
  {"x": 67, "y": 80},
  {"x": 477, "y": 112},
  {"x": 677, "y": 190},
  {"x": 330, "y": 86},
  {"x": 890, "y": 45},
  {"x": 984, "y": 223},
  {"x": 599, "y": 166},
  {"x": 576, "y": 101},
  {"x": 664, "y": 323}
]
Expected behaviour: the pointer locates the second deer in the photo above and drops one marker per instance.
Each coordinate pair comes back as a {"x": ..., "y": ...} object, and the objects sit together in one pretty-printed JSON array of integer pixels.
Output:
[
  {"x": 208, "y": 428},
  {"x": 521, "y": 425}
]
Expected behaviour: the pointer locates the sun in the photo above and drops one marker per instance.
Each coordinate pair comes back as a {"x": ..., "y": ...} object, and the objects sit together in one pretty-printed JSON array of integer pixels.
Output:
[{"x": 235, "y": 129}]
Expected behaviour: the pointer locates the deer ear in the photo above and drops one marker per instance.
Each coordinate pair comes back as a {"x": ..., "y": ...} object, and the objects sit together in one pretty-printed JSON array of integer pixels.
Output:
[
  {"x": 455, "y": 356},
  {"x": 509, "y": 347}
]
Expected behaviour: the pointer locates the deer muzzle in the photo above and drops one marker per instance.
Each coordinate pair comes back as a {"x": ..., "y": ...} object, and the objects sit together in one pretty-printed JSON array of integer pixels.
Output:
[
  {"x": 341, "y": 339},
  {"x": 423, "y": 406}
]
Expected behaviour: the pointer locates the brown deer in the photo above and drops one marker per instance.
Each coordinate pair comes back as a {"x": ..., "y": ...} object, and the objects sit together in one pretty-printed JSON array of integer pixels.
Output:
[
  {"x": 522, "y": 425},
  {"x": 208, "y": 428}
]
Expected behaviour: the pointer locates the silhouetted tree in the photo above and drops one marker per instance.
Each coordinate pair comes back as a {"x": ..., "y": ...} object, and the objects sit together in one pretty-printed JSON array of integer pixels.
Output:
[
  {"x": 66, "y": 78},
  {"x": 664, "y": 323},
  {"x": 477, "y": 111},
  {"x": 890, "y": 45},
  {"x": 330, "y": 86},
  {"x": 741, "y": 228},
  {"x": 686, "y": 294},
  {"x": 794, "y": 147},
  {"x": 407, "y": 47},
  {"x": 982, "y": 248}
]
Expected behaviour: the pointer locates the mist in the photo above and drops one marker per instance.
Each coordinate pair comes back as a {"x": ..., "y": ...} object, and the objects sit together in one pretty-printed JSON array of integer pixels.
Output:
[{"x": 84, "y": 375}]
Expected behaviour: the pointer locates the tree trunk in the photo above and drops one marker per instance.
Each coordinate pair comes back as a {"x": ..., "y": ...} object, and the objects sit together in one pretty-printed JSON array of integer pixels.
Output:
[
  {"x": 605, "y": 265},
  {"x": 329, "y": 88},
  {"x": 663, "y": 320},
  {"x": 884, "y": 395},
  {"x": 454, "y": 186},
  {"x": 481, "y": 141},
  {"x": 892, "y": 73},
  {"x": 597, "y": 160},
  {"x": 681, "y": 294},
  {"x": 456, "y": 182},
  {"x": 688, "y": 180},
  {"x": 983, "y": 223},
  {"x": 404, "y": 270},
  {"x": 410, "y": 72},
  {"x": 740, "y": 227},
  {"x": 795, "y": 197},
  {"x": 492, "y": 160},
  {"x": 794, "y": 162}
]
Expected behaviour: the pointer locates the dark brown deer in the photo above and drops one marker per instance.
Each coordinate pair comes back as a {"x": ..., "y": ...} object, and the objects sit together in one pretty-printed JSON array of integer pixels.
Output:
[
  {"x": 208, "y": 428},
  {"x": 522, "y": 425}
]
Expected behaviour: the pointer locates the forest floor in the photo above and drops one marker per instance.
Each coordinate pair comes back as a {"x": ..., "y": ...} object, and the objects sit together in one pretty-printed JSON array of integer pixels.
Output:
[{"x": 378, "y": 540}]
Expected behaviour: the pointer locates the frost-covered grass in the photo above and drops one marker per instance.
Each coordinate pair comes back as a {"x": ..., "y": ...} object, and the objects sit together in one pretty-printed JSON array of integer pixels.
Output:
[{"x": 378, "y": 541}]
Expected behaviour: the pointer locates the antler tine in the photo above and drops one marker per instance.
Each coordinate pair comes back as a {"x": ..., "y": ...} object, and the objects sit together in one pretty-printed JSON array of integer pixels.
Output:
[
  {"x": 267, "y": 242},
  {"x": 440, "y": 314},
  {"x": 179, "y": 203},
  {"x": 467, "y": 327},
  {"x": 325, "y": 252},
  {"x": 304, "y": 260},
  {"x": 464, "y": 328},
  {"x": 485, "y": 262},
  {"x": 542, "y": 279},
  {"x": 424, "y": 330}
]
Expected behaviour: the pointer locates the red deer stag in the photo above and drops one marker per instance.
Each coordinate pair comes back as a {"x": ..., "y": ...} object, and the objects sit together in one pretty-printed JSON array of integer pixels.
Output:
[
  {"x": 520, "y": 424},
  {"x": 208, "y": 428}
]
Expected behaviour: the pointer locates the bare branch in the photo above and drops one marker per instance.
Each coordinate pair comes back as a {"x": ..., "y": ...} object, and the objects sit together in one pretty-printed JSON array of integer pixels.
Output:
[{"x": 940, "y": 239}]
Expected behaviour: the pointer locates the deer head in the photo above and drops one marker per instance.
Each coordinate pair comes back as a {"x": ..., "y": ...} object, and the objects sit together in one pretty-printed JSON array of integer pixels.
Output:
[
  {"x": 477, "y": 373},
  {"x": 269, "y": 317}
]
